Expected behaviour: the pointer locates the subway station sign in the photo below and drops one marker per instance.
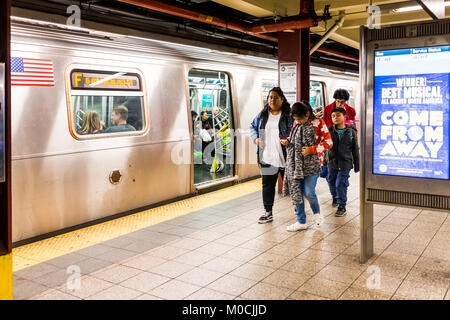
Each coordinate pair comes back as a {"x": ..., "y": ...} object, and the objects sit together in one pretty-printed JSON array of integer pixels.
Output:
[
  {"x": 411, "y": 112},
  {"x": 88, "y": 80}
]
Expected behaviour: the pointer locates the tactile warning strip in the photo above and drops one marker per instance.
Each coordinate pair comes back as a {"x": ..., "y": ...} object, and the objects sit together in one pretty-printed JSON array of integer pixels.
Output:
[{"x": 37, "y": 252}]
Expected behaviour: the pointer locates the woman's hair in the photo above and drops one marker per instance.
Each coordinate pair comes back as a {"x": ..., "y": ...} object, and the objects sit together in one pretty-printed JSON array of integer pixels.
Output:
[
  {"x": 91, "y": 122},
  {"x": 341, "y": 94},
  {"x": 301, "y": 109}
]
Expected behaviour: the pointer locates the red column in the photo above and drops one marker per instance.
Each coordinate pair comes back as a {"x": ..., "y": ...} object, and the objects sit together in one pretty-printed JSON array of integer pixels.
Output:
[{"x": 293, "y": 47}]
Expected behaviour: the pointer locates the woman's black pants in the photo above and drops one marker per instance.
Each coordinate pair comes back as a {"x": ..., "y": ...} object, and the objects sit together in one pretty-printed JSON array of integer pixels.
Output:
[{"x": 269, "y": 176}]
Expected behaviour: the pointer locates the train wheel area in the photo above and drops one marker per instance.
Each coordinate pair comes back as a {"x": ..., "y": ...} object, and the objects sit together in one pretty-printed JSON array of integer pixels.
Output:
[{"x": 211, "y": 247}]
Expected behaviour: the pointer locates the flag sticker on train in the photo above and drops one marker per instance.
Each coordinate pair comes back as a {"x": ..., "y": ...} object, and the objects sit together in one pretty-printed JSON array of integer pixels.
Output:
[{"x": 32, "y": 72}]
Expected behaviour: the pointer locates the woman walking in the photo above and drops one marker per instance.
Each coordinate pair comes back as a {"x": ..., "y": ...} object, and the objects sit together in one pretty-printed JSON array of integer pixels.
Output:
[
  {"x": 269, "y": 131},
  {"x": 308, "y": 141}
]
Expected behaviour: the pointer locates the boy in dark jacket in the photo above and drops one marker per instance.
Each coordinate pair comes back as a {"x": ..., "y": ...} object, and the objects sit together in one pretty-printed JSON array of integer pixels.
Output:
[{"x": 341, "y": 159}]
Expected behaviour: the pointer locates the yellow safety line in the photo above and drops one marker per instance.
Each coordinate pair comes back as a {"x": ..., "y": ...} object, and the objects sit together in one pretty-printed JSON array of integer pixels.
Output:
[
  {"x": 40, "y": 251},
  {"x": 6, "y": 278}
]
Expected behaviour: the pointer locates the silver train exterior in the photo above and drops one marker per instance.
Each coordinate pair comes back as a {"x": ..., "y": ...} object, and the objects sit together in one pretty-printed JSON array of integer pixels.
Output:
[{"x": 60, "y": 181}]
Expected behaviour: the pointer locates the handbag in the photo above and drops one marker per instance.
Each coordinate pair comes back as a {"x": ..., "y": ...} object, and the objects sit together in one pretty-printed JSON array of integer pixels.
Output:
[{"x": 204, "y": 134}]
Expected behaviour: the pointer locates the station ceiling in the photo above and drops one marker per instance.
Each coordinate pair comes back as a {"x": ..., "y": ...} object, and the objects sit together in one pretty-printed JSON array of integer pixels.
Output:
[{"x": 247, "y": 25}]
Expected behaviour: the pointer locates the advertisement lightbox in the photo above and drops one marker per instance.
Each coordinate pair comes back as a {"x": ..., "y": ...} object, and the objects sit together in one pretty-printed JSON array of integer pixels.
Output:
[{"x": 411, "y": 112}]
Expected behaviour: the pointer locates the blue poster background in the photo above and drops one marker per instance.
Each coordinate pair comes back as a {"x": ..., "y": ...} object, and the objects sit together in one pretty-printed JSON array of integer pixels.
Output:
[{"x": 402, "y": 165}]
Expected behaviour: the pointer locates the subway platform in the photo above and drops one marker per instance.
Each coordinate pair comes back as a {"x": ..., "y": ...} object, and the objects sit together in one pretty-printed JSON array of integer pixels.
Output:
[{"x": 210, "y": 247}]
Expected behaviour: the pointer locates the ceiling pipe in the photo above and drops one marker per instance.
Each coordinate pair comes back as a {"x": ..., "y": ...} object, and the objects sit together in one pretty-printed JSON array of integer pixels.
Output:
[
  {"x": 337, "y": 54},
  {"x": 332, "y": 30},
  {"x": 283, "y": 25},
  {"x": 297, "y": 22},
  {"x": 192, "y": 15}
]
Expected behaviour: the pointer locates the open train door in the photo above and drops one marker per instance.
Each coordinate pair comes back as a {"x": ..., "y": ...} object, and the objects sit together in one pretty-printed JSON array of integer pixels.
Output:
[{"x": 213, "y": 127}]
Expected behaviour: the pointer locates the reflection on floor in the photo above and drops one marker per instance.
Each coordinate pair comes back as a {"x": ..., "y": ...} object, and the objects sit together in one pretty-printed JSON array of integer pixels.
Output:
[
  {"x": 221, "y": 252},
  {"x": 202, "y": 173}
]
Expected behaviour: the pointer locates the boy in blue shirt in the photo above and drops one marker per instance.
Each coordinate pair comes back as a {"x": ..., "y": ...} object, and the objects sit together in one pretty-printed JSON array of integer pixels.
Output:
[{"x": 341, "y": 159}]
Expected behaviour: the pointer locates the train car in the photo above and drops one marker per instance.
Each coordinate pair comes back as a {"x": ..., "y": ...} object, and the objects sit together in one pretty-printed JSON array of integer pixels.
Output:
[{"x": 70, "y": 163}]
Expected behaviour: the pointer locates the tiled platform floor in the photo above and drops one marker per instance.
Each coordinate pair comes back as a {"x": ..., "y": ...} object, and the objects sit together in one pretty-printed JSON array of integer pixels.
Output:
[{"x": 223, "y": 253}]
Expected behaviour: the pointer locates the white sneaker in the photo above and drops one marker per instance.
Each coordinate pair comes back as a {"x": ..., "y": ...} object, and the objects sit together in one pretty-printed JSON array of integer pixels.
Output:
[
  {"x": 297, "y": 226},
  {"x": 319, "y": 219}
]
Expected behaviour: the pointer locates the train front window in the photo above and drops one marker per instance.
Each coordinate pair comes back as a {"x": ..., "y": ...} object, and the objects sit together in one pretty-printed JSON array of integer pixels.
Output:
[{"x": 106, "y": 102}]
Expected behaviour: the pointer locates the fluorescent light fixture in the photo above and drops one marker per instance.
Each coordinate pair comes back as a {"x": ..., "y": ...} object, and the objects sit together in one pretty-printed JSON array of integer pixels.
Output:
[
  {"x": 407, "y": 9},
  {"x": 414, "y": 8}
]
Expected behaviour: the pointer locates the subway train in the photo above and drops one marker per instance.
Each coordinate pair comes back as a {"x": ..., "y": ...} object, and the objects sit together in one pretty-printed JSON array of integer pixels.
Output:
[{"x": 65, "y": 174}]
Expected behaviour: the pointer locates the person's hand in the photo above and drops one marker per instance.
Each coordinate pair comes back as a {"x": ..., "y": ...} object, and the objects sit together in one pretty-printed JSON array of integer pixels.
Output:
[
  {"x": 305, "y": 151},
  {"x": 284, "y": 142},
  {"x": 102, "y": 124},
  {"x": 259, "y": 142}
]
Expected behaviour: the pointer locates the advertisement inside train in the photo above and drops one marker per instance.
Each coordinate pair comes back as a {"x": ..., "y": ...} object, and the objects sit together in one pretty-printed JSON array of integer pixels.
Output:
[{"x": 411, "y": 112}]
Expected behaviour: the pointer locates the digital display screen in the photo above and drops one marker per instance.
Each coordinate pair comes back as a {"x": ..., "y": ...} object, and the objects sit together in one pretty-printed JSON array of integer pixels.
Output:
[
  {"x": 95, "y": 80},
  {"x": 411, "y": 112}
]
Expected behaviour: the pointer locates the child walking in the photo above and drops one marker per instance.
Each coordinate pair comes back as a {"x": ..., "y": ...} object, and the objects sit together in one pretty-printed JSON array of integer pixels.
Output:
[
  {"x": 341, "y": 158},
  {"x": 302, "y": 171}
]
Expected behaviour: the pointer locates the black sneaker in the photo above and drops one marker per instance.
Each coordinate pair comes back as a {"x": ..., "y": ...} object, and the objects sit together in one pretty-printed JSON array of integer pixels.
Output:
[
  {"x": 267, "y": 217},
  {"x": 334, "y": 204},
  {"x": 340, "y": 212}
]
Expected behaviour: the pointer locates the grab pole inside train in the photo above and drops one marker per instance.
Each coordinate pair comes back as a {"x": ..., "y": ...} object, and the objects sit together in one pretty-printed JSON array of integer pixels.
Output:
[{"x": 6, "y": 282}]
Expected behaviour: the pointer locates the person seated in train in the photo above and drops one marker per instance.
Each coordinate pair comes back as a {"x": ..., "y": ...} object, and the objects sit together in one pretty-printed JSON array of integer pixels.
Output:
[
  {"x": 133, "y": 104},
  {"x": 91, "y": 123},
  {"x": 119, "y": 117}
]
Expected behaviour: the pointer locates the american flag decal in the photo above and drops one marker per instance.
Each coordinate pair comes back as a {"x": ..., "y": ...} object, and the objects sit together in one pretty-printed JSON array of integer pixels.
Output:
[{"x": 32, "y": 72}]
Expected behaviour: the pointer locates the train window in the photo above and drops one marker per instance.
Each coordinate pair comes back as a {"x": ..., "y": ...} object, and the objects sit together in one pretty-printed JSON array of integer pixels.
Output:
[
  {"x": 106, "y": 102},
  {"x": 317, "y": 93},
  {"x": 265, "y": 88},
  {"x": 211, "y": 107},
  {"x": 317, "y": 96}
]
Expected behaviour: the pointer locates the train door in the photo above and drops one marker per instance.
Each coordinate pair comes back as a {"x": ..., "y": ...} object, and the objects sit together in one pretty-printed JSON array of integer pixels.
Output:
[
  {"x": 317, "y": 96},
  {"x": 211, "y": 109}
]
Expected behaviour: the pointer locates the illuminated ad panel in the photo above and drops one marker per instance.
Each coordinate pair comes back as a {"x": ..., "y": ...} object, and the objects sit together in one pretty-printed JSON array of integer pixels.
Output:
[{"x": 411, "y": 112}]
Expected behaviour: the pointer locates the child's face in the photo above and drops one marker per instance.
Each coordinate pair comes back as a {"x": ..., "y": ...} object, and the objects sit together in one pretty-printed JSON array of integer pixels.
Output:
[
  {"x": 300, "y": 120},
  {"x": 338, "y": 118}
]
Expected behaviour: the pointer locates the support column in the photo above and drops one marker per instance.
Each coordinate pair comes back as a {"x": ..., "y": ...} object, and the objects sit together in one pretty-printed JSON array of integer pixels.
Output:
[
  {"x": 293, "y": 47},
  {"x": 366, "y": 209},
  {"x": 6, "y": 283}
]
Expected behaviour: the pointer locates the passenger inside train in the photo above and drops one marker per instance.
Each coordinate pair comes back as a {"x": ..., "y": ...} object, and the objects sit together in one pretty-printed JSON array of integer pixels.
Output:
[
  {"x": 91, "y": 123},
  {"x": 119, "y": 117}
]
